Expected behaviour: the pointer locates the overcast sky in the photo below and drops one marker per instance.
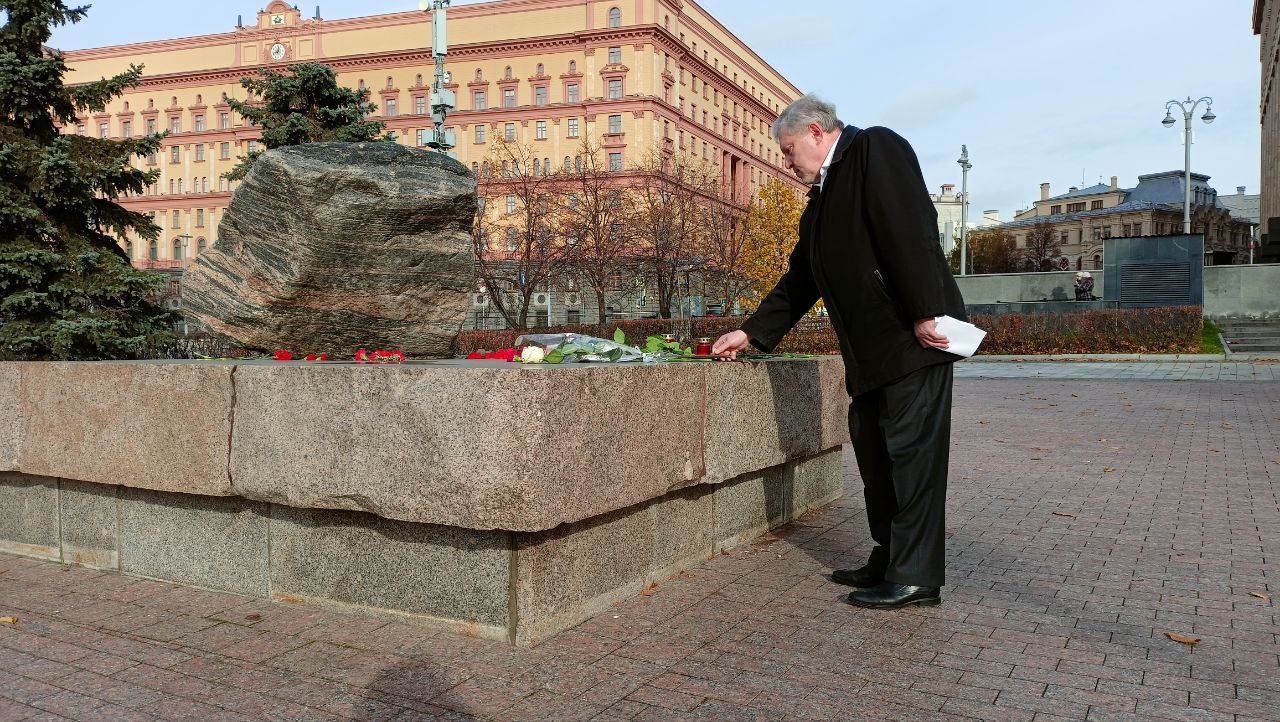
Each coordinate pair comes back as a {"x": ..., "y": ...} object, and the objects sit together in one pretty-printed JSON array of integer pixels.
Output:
[{"x": 1064, "y": 93}]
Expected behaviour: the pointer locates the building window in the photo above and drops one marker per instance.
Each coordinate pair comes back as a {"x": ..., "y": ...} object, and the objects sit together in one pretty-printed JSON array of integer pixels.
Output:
[
  {"x": 508, "y": 97},
  {"x": 540, "y": 95},
  {"x": 615, "y": 18},
  {"x": 511, "y": 240},
  {"x": 199, "y": 122},
  {"x": 126, "y": 129},
  {"x": 420, "y": 105},
  {"x": 224, "y": 151},
  {"x": 509, "y": 132},
  {"x": 615, "y": 56},
  {"x": 104, "y": 130},
  {"x": 391, "y": 107},
  {"x": 175, "y": 154},
  {"x": 573, "y": 94},
  {"x": 422, "y": 137},
  {"x": 511, "y": 204},
  {"x": 1137, "y": 229},
  {"x": 506, "y": 73},
  {"x": 151, "y": 126},
  {"x": 153, "y": 251},
  {"x": 615, "y": 89},
  {"x": 204, "y": 184},
  {"x": 615, "y": 162},
  {"x": 224, "y": 185},
  {"x": 480, "y": 133},
  {"x": 200, "y": 246},
  {"x": 1055, "y": 210},
  {"x": 1106, "y": 231},
  {"x": 1095, "y": 205},
  {"x": 200, "y": 218},
  {"x": 1062, "y": 238},
  {"x": 175, "y": 125},
  {"x": 224, "y": 121},
  {"x": 174, "y": 223},
  {"x": 573, "y": 127},
  {"x": 566, "y": 164},
  {"x": 253, "y": 146},
  {"x": 478, "y": 101},
  {"x": 615, "y": 124},
  {"x": 540, "y": 130},
  {"x": 1075, "y": 207},
  {"x": 199, "y": 151}
]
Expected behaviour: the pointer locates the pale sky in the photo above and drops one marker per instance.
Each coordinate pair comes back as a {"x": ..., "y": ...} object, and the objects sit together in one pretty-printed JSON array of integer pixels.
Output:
[{"x": 1060, "y": 92}]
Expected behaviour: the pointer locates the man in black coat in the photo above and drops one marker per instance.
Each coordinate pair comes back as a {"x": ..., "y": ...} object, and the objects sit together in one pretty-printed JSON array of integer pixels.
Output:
[{"x": 868, "y": 247}]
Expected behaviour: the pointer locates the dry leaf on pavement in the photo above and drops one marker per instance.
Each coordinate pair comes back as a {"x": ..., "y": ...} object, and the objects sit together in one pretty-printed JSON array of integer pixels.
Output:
[
  {"x": 1109, "y": 469},
  {"x": 8, "y": 620},
  {"x": 1064, "y": 513},
  {"x": 1182, "y": 638},
  {"x": 1261, "y": 595},
  {"x": 648, "y": 592}
]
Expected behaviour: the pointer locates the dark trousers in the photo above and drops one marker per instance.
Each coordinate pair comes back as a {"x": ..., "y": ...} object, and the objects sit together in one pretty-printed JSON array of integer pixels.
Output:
[{"x": 901, "y": 435}]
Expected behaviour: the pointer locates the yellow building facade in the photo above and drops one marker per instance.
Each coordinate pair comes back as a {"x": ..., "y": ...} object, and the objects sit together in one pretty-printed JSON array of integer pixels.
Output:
[{"x": 634, "y": 76}]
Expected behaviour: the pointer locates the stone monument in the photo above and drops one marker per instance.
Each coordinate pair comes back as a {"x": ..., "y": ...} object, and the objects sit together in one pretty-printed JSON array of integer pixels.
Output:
[{"x": 330, "y": 247}]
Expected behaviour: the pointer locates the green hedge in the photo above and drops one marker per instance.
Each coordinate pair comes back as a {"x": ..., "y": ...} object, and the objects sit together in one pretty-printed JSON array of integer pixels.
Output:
[{"x": 1154, "y": 330}]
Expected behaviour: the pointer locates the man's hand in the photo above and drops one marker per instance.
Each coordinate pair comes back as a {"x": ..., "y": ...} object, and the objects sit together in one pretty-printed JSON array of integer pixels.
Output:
[
  {"x": 928, "y": 336},
  {"x": 726, "y": 347}
]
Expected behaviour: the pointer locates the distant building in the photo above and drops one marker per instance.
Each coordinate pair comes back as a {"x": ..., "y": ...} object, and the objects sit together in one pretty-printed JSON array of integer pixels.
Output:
[
  {"x": 1266, "y": 23},
  {"x": 1082, "y": 218},
  {"x": 948, "y": 205}
]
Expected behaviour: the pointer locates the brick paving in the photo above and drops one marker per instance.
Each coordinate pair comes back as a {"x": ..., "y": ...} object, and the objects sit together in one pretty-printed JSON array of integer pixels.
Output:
[{"x": 1086, "y": 520}]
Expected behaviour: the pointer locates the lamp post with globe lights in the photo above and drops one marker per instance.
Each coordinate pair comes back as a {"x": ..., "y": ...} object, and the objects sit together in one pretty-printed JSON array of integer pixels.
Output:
[{"x": 1188, "y": 108}]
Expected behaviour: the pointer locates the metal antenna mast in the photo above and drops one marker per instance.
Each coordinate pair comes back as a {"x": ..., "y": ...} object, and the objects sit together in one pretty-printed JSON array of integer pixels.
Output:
[{"x": 442, "y": 100}]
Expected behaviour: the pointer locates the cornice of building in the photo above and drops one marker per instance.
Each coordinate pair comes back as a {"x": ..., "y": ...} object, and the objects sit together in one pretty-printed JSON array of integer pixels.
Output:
[{"x": 710, "y": 38}]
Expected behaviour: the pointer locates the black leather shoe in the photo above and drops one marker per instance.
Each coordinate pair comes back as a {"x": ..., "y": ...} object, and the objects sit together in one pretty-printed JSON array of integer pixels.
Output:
[
  {"x": 887, "y": 595},
  {"x": 863, "y": 576}
]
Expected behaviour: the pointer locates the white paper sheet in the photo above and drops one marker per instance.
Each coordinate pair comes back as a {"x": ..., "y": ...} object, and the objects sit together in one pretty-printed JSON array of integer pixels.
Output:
[{"x": 964, "y": 337}]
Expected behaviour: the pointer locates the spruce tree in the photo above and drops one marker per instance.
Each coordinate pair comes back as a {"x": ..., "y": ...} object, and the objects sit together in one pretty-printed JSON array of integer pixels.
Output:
[
  {"x": 67, "y": 290},
  {"x": 304, "y": 105}
]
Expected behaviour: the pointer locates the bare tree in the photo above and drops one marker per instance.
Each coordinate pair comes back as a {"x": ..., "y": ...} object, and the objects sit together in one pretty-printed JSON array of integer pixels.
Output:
[
  {"x": 670, "y": 218},
  {"x": 593, "y": 208},
  {"x": 514, "y": 238},
  {"x": 1042, "y": 248}
]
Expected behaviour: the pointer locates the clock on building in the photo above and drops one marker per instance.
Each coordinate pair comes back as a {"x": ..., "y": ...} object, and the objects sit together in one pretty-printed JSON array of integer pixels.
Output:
[{"x": 277, "y": 51}]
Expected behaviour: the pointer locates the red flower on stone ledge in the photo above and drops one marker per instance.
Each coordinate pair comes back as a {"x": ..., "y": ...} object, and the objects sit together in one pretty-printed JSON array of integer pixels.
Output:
[
  {"x": 283, "y": 355},
  {"x": 380, "y": 356}
]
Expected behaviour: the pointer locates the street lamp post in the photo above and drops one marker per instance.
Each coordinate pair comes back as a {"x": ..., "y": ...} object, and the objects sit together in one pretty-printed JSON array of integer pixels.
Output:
[
  {"x": 1188, "y": 108},
  {"x": 965, "y": 165}
]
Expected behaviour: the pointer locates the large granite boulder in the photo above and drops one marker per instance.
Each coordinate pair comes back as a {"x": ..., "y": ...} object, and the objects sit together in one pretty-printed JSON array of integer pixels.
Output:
[{"x": 331, "y": 247}]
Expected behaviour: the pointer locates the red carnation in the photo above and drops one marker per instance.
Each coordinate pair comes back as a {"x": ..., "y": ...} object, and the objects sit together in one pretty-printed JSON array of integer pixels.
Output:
[
  {"x": 474, "y": 355},
  {"x": 324, "y": 357},
  {"x": 283, "y": 355},
  {"x": 311, "y": 357}
]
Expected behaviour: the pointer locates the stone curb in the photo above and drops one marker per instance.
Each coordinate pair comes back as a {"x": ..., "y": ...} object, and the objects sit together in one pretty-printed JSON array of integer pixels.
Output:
[{"x": 1140, "y": 357}]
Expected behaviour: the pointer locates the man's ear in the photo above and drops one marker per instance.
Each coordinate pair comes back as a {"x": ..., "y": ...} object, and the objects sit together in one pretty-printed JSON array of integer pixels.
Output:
[{"x": 815, "y": 132}]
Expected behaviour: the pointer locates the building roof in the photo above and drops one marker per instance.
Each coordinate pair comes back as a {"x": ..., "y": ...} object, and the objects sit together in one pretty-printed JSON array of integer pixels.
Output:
[
  {"x": 1090, "y": 191},
  {"x": 1243, "y": 206}
]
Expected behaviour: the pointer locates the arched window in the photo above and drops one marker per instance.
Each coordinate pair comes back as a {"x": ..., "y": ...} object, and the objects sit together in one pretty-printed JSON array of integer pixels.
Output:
[
  {"x": 128, "y": 248},
  {"x": 666, "y": 22},
  {"x": 506, "y": 73},
  {"x": 177, "y": 250},
  {"x": 199, "y": 99},
  {"x": 1097, "y": 261},
  {"x": 484, "y": 169},
  {"x": 615, "y": 18},
  {"x": 479, "y": 74},
  {"x": 360, "y": 84},
  {"x": 566, "y": 164},
  {"x": 541, "y": 69},
  {"x": 417, "y": 80},
  {"x": 475, "y": 168},
  {"x": 151, "y": 103},
  {"x": 153, "y": 251},
  {"x": 511, "y": 240},
  {"x": 390, "y": 84},
  {"x": 126, "y": 106},
  {"x": 573, "y": 66},
  {"x": 173, "y": 102},
  {"x": 200, "y": 246},
  {"x": 172, "y": 185},
  {"x": 546, "y": 166}
]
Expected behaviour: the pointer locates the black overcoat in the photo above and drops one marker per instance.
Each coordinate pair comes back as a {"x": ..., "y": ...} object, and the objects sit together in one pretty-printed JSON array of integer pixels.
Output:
[{"x": 868, "y": 247}]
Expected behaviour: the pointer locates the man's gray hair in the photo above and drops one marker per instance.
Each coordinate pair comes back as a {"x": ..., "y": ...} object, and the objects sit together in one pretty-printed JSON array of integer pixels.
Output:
[{"x": 808, "y": 109}]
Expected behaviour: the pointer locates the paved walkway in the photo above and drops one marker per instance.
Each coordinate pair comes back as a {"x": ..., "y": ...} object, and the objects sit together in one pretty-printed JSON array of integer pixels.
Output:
[
  {"x": 1110, "y": 370},
  {"x": 1087, "y": 519}
]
